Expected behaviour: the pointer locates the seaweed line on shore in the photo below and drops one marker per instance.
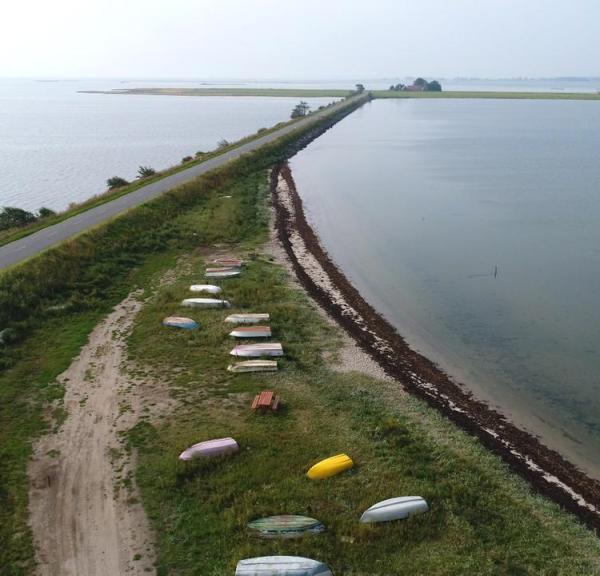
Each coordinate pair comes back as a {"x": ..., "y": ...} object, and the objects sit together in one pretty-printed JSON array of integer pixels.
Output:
[{"x": 545, "y": 469}]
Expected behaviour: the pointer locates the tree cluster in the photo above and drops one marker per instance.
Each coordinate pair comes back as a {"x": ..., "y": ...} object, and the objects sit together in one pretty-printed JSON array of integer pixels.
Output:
[
  {"x": 11, "y": 217},
  {"x": 420, "y": 84},
  {"x": 301, "y": 109}
]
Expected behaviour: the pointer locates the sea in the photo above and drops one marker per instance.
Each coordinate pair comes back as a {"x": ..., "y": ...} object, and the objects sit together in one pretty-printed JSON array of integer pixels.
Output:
[{"x": 473, "y": 227}]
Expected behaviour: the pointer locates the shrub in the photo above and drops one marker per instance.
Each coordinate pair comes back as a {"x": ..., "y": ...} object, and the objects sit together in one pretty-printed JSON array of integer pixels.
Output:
[
  {"x": 145, "y": 171},
  {"x": 200, "y": 153},
  {"x": 261, "y": 130},
  {"x": 222, "y": 143},
  {"x": 186, "y": 159},
  {"x": 12, "y": 217},
  {"x": 116, "y": 182},
  {"x": 44, "y": 212}
]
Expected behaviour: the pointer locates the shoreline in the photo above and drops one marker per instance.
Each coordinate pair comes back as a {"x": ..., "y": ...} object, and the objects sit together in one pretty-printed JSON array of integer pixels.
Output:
[{"x": 545, "y": 469}]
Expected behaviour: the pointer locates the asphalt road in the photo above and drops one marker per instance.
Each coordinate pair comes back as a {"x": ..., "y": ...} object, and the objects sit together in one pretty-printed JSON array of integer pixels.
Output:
[{"x": 19, "y": 250}]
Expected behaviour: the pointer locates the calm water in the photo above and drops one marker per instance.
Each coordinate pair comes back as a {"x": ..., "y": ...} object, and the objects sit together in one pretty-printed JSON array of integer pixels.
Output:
[
  {"x": 419, "y": 201},
  {"x": 58, "y": 146}
]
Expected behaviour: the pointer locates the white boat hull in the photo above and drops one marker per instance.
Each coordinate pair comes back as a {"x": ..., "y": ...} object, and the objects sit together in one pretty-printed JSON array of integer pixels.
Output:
[
  {"x": 223, "y": 274},
  {"x": 281, "y": 566},
  {"x": 247, "y": 318},
  {"x": 395, "y": 509},
  {"x": 257, "y": 350},
  {"x": 253, "y": 366},
  {"x": 252, "y": 332},
  {"x": 205, "y": 303},
  {"x": 208, "y": 288}
]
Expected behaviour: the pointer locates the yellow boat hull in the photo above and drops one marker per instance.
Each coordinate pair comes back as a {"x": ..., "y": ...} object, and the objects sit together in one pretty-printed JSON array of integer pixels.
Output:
[{"x": 330, "y": 467}]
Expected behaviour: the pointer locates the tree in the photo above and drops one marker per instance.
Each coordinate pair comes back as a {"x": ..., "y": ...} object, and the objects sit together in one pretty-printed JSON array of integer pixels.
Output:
[
  {"x": 44, "y": 212},
  {"x": 186, "y": 159},
  {"x": 420, "y": 82},
  {"x": 301, "y": 109},
  {"x": 12, "y": 217},
  {"x": 434, "y": 86},
  {"x": 116, "y": 182},
  {"x": 145, "y": 171},
  {"x": 222, "y": 143},
  {"x": 360, "y": 88}
]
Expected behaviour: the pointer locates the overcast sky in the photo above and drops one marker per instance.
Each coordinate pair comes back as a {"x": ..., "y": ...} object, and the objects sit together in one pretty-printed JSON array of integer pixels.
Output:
[{"x": 300, "y": 39}]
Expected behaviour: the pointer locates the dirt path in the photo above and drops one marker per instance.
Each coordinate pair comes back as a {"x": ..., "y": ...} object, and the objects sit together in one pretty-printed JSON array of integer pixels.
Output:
[{"x": 85, "y": 516}]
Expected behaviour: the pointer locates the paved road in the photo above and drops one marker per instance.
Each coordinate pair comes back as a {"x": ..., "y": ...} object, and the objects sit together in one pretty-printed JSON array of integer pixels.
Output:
[{"x": 28, "y": 246}]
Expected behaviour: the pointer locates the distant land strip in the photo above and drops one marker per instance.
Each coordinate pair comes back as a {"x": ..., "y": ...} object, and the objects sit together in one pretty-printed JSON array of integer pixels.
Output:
[{"x": 327, "y": 93}]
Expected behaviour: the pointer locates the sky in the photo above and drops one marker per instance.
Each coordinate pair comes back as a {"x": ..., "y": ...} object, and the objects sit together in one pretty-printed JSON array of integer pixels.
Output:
[{"x": 308, "y": 39}]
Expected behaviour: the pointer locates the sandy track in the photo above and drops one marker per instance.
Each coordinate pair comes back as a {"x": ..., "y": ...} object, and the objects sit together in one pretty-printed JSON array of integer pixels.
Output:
[{"x": 82, "y": 523}]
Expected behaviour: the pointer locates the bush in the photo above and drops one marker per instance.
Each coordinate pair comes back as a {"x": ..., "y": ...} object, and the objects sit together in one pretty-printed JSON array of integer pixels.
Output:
[
  {"x": 12, "y": 217},
  {"x": 186, "y": 159},
  {"x": 261, "y": 130},
  {"x": 116, "y": 182},
  {"x": 199, "y": 153},
  {"x": 44, "y": 212},
  {"x": 145, "y": 171},
  {"x": 222, "y": 143}
]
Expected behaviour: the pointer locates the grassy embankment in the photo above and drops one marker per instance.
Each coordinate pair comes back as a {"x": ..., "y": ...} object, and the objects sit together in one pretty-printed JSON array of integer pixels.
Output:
[
  {"x": 483, "y": 519},
  {"x": 12, "y": 234},
  {"x": 51, "y": 303}
]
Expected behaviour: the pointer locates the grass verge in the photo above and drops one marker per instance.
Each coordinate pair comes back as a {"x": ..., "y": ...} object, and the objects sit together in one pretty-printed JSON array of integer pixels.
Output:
[
  {"x": 50, "y": 304},
  {"x": 483, "y": 520}
]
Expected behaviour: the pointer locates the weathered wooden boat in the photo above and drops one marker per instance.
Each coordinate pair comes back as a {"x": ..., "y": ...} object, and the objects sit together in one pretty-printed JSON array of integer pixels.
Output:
[
  {"x": 247, "y": 318},
  {"x": 229, "y": 262},
  {"x": 253, "y": 366},
  {"x": 258, "y": 350},
  {"x": 251, "y": 332},
  {"x": 208, "y": 288},
  {"x": 223, "y": 273},
  {"x": 285, "y": 526},
  {"x": 205, "y": 303},
  {"x": 395, "y": 509},
  {"x": 210, "y": 449},
  {"x": 282, "y": 566},
  {"x": 180, "y": 322},
  {"x": 330, "y": 467}
]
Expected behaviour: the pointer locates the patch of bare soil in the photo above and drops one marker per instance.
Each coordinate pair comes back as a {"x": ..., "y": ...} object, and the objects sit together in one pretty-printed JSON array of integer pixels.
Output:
[{"x": 84, "y": 509}]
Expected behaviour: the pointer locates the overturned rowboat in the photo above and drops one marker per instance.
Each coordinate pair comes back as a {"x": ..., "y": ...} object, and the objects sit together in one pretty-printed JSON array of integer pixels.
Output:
[
  {"x": 208, "y": 288},
  {"x": 205, "y": 303},
  {"x": 247, "y": 318},
  {"x": 281, "y": 566},
  {"x": 223, "y": 269},
  {"x": 210, "y": 449},
  {"x": 253, "y": 366},
  {"x": 223, "y": 273},
  {"x": 330, "y": 467},
  {"x": 229, "y": 262},
  {"x": 257, "y": 350},
  {"x": 180, "y": 322},
  {"x": 251, "y": 332},
  {"x": 395, "y": 509},
  {"x": 285, "y": 526}
]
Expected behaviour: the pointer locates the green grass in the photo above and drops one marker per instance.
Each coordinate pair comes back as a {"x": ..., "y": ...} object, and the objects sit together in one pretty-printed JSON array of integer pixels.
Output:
[
  {"x": 483, "y": 520},
  {"x": 490, "y": 95}
]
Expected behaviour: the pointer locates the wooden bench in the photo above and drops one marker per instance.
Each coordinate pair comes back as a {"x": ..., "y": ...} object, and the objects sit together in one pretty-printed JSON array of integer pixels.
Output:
[{"x": 266, "y": 400}]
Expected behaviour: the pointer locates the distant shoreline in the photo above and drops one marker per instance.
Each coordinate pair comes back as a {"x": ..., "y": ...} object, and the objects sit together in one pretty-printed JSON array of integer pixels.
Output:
[{"x": 336, "y": 93}]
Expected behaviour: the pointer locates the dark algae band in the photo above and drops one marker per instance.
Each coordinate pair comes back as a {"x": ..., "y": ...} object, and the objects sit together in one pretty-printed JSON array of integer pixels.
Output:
[{"x": 545, "y": 469}]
